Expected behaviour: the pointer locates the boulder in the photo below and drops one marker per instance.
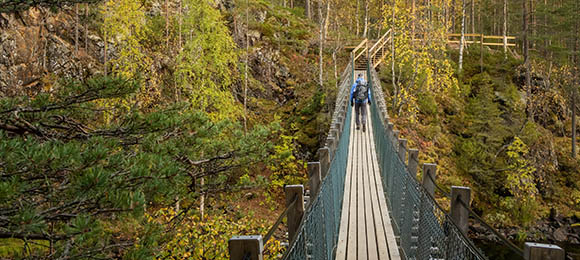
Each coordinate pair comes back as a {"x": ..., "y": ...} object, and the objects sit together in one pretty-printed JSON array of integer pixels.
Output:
[{"x": 560, "y": 234}]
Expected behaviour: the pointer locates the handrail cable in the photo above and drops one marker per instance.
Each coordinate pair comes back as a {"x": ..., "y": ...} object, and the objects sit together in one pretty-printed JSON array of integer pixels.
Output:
[
  {"x": 448, "y": 195},
  {"x": 513, "y": 247},
  {"x": 279, "y": 220}
]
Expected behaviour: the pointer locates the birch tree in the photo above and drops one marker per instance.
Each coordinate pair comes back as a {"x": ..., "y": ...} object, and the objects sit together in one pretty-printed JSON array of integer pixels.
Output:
[{"x": 462, "y": 41}]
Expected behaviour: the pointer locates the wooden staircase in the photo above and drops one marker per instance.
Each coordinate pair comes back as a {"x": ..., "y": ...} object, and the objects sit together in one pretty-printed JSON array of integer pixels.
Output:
[{"x": 376, "y": 53}]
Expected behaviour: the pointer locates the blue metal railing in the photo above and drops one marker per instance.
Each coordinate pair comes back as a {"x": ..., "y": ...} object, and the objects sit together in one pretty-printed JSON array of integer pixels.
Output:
[
  {"x": 317, "y": 235},
  {"x": 412, "y": 208}
]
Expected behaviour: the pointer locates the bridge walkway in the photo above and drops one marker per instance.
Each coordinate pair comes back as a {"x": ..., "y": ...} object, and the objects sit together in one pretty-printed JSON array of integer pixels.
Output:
[{"x": 365, "y": 228}]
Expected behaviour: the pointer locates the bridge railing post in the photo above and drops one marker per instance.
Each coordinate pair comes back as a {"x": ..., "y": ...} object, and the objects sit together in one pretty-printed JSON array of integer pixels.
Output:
[
  {"x": 324, "y": 158},
  {"x": 413, "y": 162},
  {"x": 331, "y": 142},
  {"x": 459, "y": 212},
  {"x": 402, "y": 149},
  {"x": 429, "y": 177},
  {"x": 335, "y": 133},
  {"x": 536, "y": 251},
  {"x": 339, "y": 123},
  {"x": 395, "y": 140},
  {"x": 297, "y": 211},
  {"x": 314, "y": 178},
  {"x": 246, "y": 247}
]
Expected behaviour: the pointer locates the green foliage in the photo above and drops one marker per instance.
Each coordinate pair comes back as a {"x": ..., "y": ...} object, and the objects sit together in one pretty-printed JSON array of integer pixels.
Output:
[
  {"x": 521, "y": 183},
  {"x": 421, "y": 69},
  {"x": 86, "y": 173},
  {"x": 483, "y": 133},
  {"x": 205, "y": 65},
  {"x": 194, "y": 238},
  {"x": 286, "y": 169}
]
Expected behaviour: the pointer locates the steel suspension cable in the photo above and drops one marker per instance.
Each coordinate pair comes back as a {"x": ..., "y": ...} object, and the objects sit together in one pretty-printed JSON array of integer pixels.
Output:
[{"x": 279, "y": 220}]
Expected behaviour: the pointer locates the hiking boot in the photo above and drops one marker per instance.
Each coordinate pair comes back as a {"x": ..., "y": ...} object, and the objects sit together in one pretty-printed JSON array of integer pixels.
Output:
[
  {"x": 357, "y": 127},
  {"x": 364, "y": 128}
]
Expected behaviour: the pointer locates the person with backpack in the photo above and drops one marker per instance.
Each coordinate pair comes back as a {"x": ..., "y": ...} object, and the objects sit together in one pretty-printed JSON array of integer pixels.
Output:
[{"x": 360, "y": 95}]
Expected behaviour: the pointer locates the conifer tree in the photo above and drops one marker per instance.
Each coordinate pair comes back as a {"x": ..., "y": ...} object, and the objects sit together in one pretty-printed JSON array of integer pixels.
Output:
[{"x": 69, "y": 178}]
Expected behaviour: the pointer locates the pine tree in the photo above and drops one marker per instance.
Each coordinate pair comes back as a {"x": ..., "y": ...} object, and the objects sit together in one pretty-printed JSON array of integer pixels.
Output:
[{"x": 68, "y": 177}]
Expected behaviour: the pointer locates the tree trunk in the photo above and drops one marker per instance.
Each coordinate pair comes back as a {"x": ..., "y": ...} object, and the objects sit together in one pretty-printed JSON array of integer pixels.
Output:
[
  {"x": 44, "y": 41},
  {"x": 445, "y": 16},
  {"x": 532, "y": 25},
  {"x": 106, "y": 40},
  {"x": 462, "y": 42},
  {"x": 308, "y": 13},
  {"x": 381, "y": 20},
  {"x": 479, "y": 25},
  {"x": 574, "y": 124},
  {"x": 413, "y": 18},
  {"x": 327, "y": 20},
  {"x": 179, "y": 39},
  {"x": 505, "y": 29},
  {"x": 357, "y": 19},
  {"x": 87, "y": 27},
  {"x": 527, "y": 60},
  {"x": 472, "y": 16},
  {"x": 320, "y": 43},
  {"x": 453, "y": 16},
  {"x": 494, "y": 29},
  {"x": 395, "y": 88},
  {"x": 167, "y": 24},
  {"x": 202, "y": 200},
  {"x": 365, "y": 33},
  {"x": 77, "y": 22},
  {"x": 246, "y": 68},
  {"x": 574, "y": 84}
]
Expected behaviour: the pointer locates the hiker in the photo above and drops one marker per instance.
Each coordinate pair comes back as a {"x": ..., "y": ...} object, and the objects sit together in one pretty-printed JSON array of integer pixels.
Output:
[{"x": 360, "y": 94}]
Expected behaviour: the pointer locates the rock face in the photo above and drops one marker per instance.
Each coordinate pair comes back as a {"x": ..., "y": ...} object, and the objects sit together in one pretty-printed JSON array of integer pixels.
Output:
[
  {"x": 267, "y": 68},
  {"x": 37, "y": 43},
  {"x": 556, "y": 229}
]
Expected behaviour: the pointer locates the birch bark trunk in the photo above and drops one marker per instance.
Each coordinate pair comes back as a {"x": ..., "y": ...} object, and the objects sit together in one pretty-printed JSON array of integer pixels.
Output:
[
  {"x": 505, "y": 29},
  {"x": 462, "y": 42},
  {"x": 365, "y": 33}
]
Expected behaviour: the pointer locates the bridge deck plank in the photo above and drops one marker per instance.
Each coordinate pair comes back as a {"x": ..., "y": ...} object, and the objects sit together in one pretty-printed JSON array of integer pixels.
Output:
[
  {"x": 346, "y": 204},
  {"x": 384, "y": 212},
  {"x": 365, "y": 230},
  {"x": 360, "y": 210}
]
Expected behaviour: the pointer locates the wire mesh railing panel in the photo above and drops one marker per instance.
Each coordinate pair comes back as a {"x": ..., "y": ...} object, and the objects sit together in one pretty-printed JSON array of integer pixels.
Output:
[
  {"x": 425, "y": 230},
  {"x": 317, "y": 235}
]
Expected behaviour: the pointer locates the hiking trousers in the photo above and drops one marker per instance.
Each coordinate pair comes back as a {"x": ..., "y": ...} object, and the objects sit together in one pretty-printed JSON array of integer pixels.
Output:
[{"x": 360, "y": 110}]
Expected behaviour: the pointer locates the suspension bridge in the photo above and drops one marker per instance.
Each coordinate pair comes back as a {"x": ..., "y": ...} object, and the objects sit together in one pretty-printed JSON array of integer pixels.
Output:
[{"x": 364, "y": 199}]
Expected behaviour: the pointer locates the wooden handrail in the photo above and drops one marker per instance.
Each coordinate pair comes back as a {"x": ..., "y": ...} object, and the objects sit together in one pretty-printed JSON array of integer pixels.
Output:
[
  {"x": 479, "y": 35},
  {"x": 499, "y": 37},
  {"x": 380, "y": 40},
  {"x": 361, "y": 53},
  {"x": 382, "y": 45},
  {"x": 359, "y": 46}
]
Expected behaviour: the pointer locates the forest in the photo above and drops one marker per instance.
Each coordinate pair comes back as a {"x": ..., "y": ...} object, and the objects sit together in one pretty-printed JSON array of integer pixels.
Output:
[{"x": 159, "y": 129}]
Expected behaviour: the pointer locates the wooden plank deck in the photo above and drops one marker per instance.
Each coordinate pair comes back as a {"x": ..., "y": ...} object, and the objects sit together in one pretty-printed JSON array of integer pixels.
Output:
[{"x": 365, "y": 228}]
